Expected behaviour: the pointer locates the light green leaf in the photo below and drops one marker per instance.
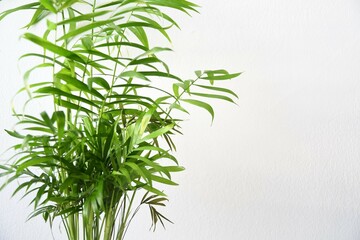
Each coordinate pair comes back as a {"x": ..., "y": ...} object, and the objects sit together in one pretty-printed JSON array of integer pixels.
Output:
[
  {"x": 70, "y": 105},
  {"x": 150, "y": 189},
  {"x": 219, "y": 89},
  {"x": 152, "y": 52},
  {"x": 33, "y": 162},
  {"x": 178, "y": 107},
  {"x": 155, "y": 25},
  {"x": 29, "y": 6},
  {"x": 86, "y": 28},
  {"x": 157, "y": 133},
  {"x": 176, "y": 90},
  {"x": 219, "y": 75},
  {"x": 133, "y": 74},
  {"x": 39, "y": 15},
  {"x": 78, "y": 84},
  {"x": 140, "y": 33},
  {"x": 48, "y": 5},
  {"x": 87, "y": 43},
  {"x": 50, "y": 25},
  {"x": 56, "y": 91},
  {"x": 163, "y": 180},
  {"x": 201, "y": 104},
  {"x": 53, "y": 47},
  {"x": 213, "y": 96},
  {"x": 83, "y": 17},
  {"x": 159, "y": 74}
]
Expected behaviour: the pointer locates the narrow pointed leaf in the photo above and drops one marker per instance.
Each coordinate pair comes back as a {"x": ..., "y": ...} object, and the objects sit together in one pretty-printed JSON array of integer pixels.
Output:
[
  {"x": 157, "y": 133},
  {"x": 201, "y": 104},
  {"x": 53, "y": 47}
]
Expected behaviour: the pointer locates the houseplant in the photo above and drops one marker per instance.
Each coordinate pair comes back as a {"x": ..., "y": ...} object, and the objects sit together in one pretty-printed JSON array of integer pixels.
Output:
[{"x": 108, "y": 138}]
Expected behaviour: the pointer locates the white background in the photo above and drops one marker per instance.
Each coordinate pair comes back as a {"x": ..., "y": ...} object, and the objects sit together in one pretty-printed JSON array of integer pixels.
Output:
[{"x": 285, "y": 163}]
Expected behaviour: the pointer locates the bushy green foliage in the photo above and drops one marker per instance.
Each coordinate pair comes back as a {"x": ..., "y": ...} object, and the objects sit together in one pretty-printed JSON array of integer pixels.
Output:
[{"x": 109, "y": 134}]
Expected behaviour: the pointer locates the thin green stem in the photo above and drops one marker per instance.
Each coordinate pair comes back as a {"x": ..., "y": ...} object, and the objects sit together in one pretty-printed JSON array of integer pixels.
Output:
[
  {"x": 180, "y": 95},
  {"x": 124, "y": 222}
]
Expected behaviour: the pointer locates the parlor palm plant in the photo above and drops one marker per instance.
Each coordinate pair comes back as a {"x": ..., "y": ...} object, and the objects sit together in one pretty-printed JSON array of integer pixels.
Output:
[{"x": 108, "y": 137}]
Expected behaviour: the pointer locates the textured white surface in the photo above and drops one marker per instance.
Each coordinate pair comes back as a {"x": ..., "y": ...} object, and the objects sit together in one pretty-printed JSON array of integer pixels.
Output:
[{"x": 285, "y": 163}]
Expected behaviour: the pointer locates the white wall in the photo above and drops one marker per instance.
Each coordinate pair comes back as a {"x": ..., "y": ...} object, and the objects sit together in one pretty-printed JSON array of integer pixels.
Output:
[{"x": 285, "y": 163}]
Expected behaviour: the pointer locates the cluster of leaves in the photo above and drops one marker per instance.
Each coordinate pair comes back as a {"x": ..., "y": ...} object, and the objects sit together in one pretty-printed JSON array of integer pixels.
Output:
[{"x": 110, "y": 131}]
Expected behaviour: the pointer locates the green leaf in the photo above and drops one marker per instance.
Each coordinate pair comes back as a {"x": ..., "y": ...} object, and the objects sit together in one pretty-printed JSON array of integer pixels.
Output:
[
  {"x": 163, "y": 180},
  {"x": 140, "y": 33},
  {"x": 42, "y": 65},
  {"x": 50, "y": 25},
  {"x": 70, "y": 105},
  {"x": 159, "y": 74},
  {"x": 39, "y": 15},
  {"x": 86, "y": 28},
  {"x": 59, "y": 117},
  {"x": 219, "y": 75},
  {"x": 158, "y": 201},
  {"x": 112, "y": 3},
  {"x": 125, "y": 173},
  {"x": 130, "y": 44},
  {"x": 109, "y": 140},
  {"x": 52, "y": 47},
  {"x": 56, "y": 91},
  {"x": 144, "y": 61},
  {"x": 48, "y": 5},
  {"x": 158, "y": 13},
  {"x": 79, "y": 85},
  {"x": 198, "y": 73},
  {"x": 157, "y": 133},
  {"x": 136, "y": 24},
  {"x": 99, "y": 81},
  {"x": 133, "y": 74},
  {"x": 43, "y": 57},
  {"x": 153, "y": 148},
  {"x": 23, "y": 185},
  {"x": 213, "y": 96},
  {"x": 153, "y": 51},
  {"x": 48, "y": 121},
  {"x": 39, "y": 129},
  {"x": 144, "y": 121},
  {"x": 33, "y": 162},
  {"x": 140, "y": 171},
  {"x": 176, "y": 90},
  {"x": 83, "y": 17},
  {"x": 14, "y": 134},
  {"x": 201, "y": 104},
  {"x": 150, "y": 189},
  {"x": 219, "y": 89},
  {"x": 178, "y": 107},
  {"x": 174, "y": 168},
  {"x": 150, "y": 163},
  {"x": 154, "y": 24},
  {"x": 29, "y": 6},
  {"x": 100, "y": 54},
  {"x": 181, "y": 5},
  {"x": 87, "y": 42},
  {"x": 67, "y": 4}
]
